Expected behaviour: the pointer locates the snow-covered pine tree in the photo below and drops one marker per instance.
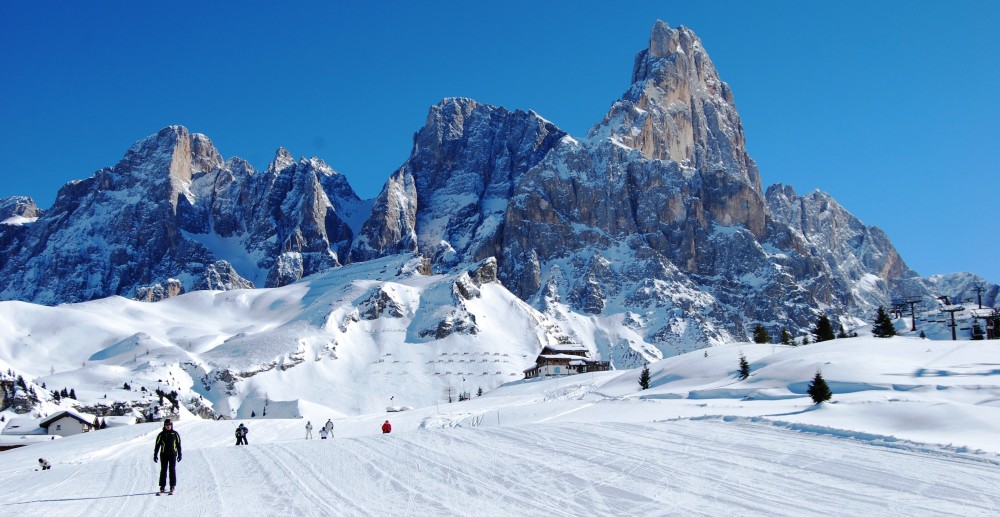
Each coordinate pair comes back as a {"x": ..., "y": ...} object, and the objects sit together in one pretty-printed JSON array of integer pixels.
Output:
[
  {"x": 644, "y": 378},
  {"x": 744, "y": 367},
  {"x": 823, "y": 331},
  {"x": 818, "y": 389},
  {"x": 883, "y": 327}
]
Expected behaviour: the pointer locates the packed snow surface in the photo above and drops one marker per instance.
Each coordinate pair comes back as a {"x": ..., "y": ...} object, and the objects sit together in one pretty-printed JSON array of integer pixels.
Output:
[{"x": 911, "y": 430}]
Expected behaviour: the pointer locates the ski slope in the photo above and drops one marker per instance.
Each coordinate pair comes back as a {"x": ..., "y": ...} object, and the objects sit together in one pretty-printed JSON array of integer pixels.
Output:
[
  {"x": 701, "y": 443},
  {"x": 685, "y": 467}
]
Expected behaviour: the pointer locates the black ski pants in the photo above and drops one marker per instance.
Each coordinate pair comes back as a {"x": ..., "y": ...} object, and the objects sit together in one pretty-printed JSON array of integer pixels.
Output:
[{"x": 168, "y": 463}]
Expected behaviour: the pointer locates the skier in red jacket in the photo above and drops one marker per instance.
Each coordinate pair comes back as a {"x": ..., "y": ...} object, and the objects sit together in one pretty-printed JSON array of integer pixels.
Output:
[{"x": 386, "y": 427}]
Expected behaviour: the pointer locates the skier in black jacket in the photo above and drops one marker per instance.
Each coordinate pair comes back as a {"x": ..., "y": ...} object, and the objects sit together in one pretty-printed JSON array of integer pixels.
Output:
[{"x": 167, "y": 448}]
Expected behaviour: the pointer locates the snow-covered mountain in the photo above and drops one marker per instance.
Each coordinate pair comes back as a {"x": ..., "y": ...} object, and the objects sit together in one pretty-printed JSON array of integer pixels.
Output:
[
  {"x": 366, "y": 332},
  {"x": 650, "y": 236}
]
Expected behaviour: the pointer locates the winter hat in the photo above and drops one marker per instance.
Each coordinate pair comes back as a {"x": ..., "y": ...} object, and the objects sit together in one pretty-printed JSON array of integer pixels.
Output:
[{"x": 167, "y": 422}]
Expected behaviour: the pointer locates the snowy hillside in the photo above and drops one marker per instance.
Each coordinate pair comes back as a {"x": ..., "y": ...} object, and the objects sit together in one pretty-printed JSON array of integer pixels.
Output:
[
  {"x": 911, "y": 430},
  {"x": 351, "y": 340}
]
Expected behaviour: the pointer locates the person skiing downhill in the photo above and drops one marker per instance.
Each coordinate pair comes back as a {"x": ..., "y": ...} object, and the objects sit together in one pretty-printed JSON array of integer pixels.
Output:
[
  {"x": 167, "y": 448},
  {"x": 386, "y": 427},
  {"x": 322, "y": 433},
  {"x": 241, "y": 435},
  {"x": 44, "y": 464},
  {"x": 309, "y": 431}
]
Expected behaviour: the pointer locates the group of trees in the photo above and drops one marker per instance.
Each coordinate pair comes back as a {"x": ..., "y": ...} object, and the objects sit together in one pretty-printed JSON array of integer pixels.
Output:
[
  {"x": 63, "y": 394},
  {"x": 823, "y": 330}
]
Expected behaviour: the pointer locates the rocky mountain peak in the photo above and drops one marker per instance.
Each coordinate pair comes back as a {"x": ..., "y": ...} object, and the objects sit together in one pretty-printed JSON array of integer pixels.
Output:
[
  {"x": 678, "y": 109},
  {"x": 282, "y": 160}
]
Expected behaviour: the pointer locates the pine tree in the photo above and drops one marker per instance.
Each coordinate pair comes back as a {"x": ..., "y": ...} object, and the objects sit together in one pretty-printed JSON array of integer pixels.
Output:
[
  {"x": 805, "y": 339},
  {"x": 744, "y": 367},
  {"x": 644, "y": 378},
  {"x": 104, "y": 425},
  {"x": 842, "y": 333},
  {"x": 760, "y": 334},
  {"x": 253, "y": 414},
  {"x": 64, "y": 393},
  {"x": 922, "y": 335},
  {"x": 823, "y": 331},
  {"x": 883, "y": 327},
  {"x": 818, "y": 389},
  {"x": 479, "y": 392},
  {"x": 786, "y": 338}
]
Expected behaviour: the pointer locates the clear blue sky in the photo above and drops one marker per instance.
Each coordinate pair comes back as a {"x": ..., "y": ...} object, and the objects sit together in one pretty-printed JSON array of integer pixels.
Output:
[{"x": 891, "y": 107}]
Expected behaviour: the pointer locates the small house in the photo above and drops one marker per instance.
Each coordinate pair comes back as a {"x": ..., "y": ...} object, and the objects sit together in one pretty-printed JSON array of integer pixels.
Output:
[
  {"x": 67, "y": 423},
  {"x": 564, "y": 359}
]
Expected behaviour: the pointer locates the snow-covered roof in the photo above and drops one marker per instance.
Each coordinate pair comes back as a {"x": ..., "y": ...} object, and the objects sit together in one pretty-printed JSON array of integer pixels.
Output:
[
  {"x": 571, "y": 357},
  {"x": 23, "y": 426},
  {"x": 82, "y": 417}
]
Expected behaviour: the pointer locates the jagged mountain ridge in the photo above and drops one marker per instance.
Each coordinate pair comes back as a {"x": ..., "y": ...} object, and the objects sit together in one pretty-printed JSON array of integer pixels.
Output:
[
  {"x": 648, "y": 237},
  {"x": 173, "y": 209}
]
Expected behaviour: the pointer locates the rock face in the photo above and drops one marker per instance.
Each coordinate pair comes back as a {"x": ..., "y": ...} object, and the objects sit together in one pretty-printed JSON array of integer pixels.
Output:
[
  {"x": 172, "y": 208},
  {"x": 448, "y": 200}
]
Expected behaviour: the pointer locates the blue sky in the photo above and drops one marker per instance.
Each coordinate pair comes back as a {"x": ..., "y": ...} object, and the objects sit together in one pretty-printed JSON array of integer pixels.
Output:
[{"x": 891, "y": 107}]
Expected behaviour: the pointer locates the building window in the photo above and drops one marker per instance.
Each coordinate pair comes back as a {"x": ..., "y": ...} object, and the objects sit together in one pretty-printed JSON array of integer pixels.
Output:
[{"x": 58, "y": 427}]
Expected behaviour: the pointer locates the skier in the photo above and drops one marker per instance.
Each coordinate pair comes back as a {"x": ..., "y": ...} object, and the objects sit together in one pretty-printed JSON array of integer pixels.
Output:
[
  {"x": 168, "y": 447},
  {"x": 329, "y": 427},
  {"x": 309, "y": 431},
  {"x": 386, "y": 427},
  {"x": 44, "y": 464},
  {"x": 241, "y": 435},
  {"x": 322, "y": 433}
]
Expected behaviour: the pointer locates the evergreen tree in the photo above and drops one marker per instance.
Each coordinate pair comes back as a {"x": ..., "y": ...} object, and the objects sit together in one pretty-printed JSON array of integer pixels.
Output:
[
  {"x": 253, "y": 414},
  {"x": 56, "y": 396},
  {"x": 479, "y": 393},
  {"x": 104, "y": 425},
  {"x": 786, "y": 338},
  {"x": 64, "y": 393},
  {"x": 644, "y": 378},
  {"x": 818, "y": 389},
  {"x": 744, "y": 367},
  {"x": 922, "y": 335},
  {"x": 841, "y": 334},
  {"x": 823, "y": 331},
  {"x": 127, "y": 387},
  {"x": 805, "y": 339},
  {"x": 760, "y": 334},
  {"x": 72, "y": 394},
  {"x": 883, "y": 327}
]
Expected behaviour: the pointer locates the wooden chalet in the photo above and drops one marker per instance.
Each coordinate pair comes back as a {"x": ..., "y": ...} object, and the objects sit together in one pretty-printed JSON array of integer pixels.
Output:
[{"x": 564, "y": 359}]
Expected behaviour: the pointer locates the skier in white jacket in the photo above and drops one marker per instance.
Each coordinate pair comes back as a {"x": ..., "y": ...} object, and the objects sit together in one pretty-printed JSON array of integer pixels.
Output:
[
  {"x": 309, "y": 431},
  {"x": 329, "y": 427}
]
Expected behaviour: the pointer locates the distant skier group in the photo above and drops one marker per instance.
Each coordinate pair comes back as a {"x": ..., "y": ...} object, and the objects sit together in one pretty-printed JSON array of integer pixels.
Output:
[
  {"x": 324, "y": 432},
  {"x": 167, "y": 449}
]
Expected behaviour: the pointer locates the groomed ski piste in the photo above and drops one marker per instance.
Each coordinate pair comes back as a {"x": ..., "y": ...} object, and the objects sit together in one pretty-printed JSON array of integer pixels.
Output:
[{"x": 912, "y": 430}]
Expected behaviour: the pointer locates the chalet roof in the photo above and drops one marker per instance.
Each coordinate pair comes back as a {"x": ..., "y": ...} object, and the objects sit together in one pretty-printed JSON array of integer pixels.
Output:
[
  {"x": 23, "y": 426},
  {"x": 571, "y": 357},
  {"x": 82, "y": 417},
  {"x": 566, "y": 347}
]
